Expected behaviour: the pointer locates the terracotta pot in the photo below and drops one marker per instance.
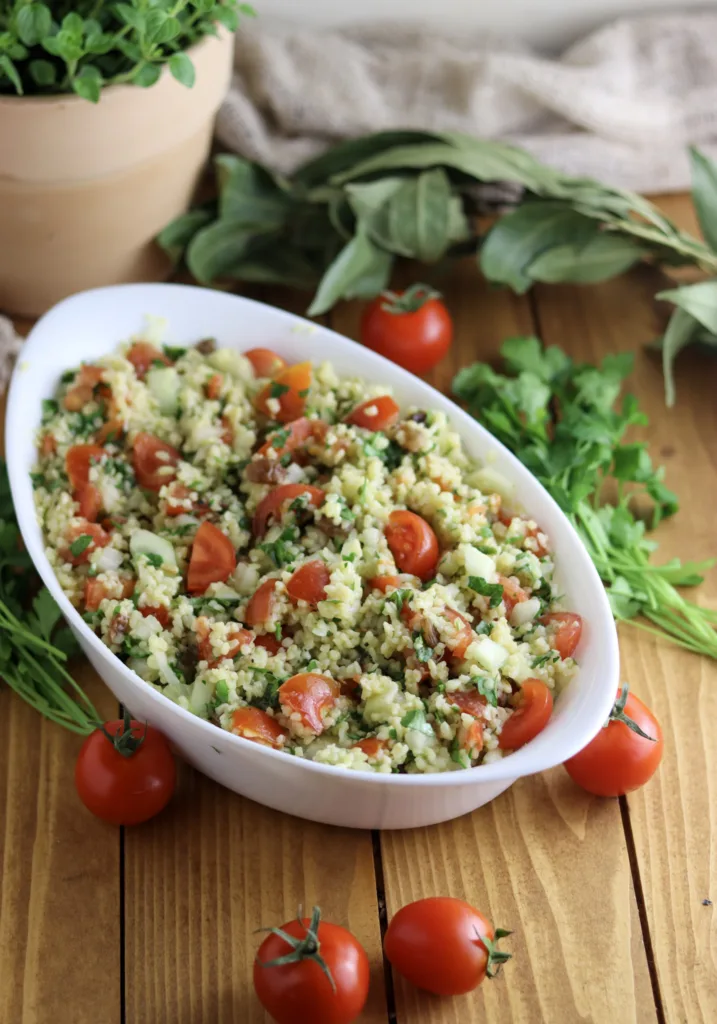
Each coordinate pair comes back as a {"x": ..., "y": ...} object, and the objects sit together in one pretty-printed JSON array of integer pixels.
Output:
[{"x": 85, "y": 188}]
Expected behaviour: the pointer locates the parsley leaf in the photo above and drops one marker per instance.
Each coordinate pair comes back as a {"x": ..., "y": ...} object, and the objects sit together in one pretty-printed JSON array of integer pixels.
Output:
[
  {"x": 276, "y": 390},
  {"x": 422, "y": 650},
  {"x": 493, "y": 591},
  {"x": 278, "y": 550},
  {"x": 80, "y": 544},
  {"x": 416, "y": 719}
]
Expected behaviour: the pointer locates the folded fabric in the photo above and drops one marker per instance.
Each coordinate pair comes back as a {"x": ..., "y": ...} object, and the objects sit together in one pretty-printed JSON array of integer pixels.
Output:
[{"x": 622, "y": 105}]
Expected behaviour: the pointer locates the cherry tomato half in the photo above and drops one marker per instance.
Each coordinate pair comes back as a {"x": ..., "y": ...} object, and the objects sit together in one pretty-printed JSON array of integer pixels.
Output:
[
  {"x": 260, "y": 608},
  {"x": 290, "y": 388},
  {"x": 154, "y": 461},
  {"x": 309, "y": 583},
  {"x": 96, "y": 591},
  {"x": 212, "y": 560},
  {"x": 375, "y": 414},
  {"x": 78, "y": 549},
  {"x": 272, "y": 502},
  {"x": 619, "y": 759},
  {"x": 259, "y": 727},
  {"x": 443, "y": 945},
  {"x": 125, "y": 772},
  {"x": 309, "y": 694},
  {"x": 513, "y": 594},
  {"x": 531, "y": 715},
  {"x": 143, "y": 356},
  {"x": 413, "y": 543},
  {"x": 264, "y": 362},
  {"x": 302, "y": 989},
  {"x": 412, "y": 328},
  {"x": 568, "y": 628}
]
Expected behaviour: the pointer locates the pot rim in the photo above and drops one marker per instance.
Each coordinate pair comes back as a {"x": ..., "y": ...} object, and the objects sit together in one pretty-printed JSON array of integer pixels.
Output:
[{"x": 72, "y": 98}]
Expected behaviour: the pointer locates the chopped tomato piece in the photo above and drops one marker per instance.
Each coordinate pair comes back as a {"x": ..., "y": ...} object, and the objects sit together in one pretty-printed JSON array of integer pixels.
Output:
[
  {"x": 214, "y": 386},
  {"x": 568, "y": 630},
  {"x": 260, "y": 608},
  {"x": 83, "y": 390},
  {"x": 464, "y": 635},
  {"x": 309, "y": 694},
  {"x": 48, "y": 445},
  {"x": 75, "y": 536},
  {"x": 392, "y": 582},
  {"x": 296, "y": 434},
  {"x": 309, "y": 583},
  {"x": 375, "y": 414},
  {"x": 532, "y": 713},
  {"x": 161, "y": 614},
  {"x": 269, "y": 642},
  {"x": 289, "y": 387},
  {"x": 227, "y": 434},
  {"x": 89, "y": 499},
  {"x": 154, "y": 461},
  {"x": 255, "y": 725},
  {"x": 372, "y": 746},
  {"x": 237, "y": 638},
  {"x": 265, "y": 363},
  {"x": 212, "y": 560},
  {"x": 539, "y": 550},
  {"x": 110, "y": 431},
  {"x": 272, "y": 502},
  {"x": 469, "y": 701},
  {"x": 78, "y": 460},
  {"x": 413, "y": 543},
  {"x": 96, "y": 592},
  {"x": 471, "y": 737},
  {"x": 513, "y": 594},
  {"x": 142, "y": 356}
]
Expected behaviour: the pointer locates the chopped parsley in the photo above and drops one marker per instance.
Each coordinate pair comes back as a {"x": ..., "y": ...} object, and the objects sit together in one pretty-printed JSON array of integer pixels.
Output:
[
  {"x": 222, "y": 691},
  {"x": 303, "y": 393},
  {"x": 50, "y": 408},
  {"x": 154, "y": 560},
  {"x": 278, "y": 550},
  {"x": 279, "y": 439},
  {"x": 416, "y": 720},
  {"x": 173, "y": 352},
  {"x": 423, "y": 651},
  {"x": 545, "y": 659},
  {"x": 276, "y": 390},
  {"x": 80, "y": 544},
  {"x": 270, "y": 697},
  {"x": 493, "y": 591},
  {"x": 398, "y": 597},
  {"x": 486, "y": 688}
]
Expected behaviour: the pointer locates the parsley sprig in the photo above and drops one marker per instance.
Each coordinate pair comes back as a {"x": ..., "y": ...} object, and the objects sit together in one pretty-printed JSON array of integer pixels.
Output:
[
  {"x": 34, "y": 647},
  {"x": 562, "y": 420}
]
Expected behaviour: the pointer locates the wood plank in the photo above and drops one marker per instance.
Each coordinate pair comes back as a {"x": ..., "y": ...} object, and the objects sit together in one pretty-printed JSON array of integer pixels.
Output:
[
  {"x": 59, "y": 876},
  {"x": 674, "y": 819},
  {"x": 542, "y": 859},
  {"x": 215, "y": 867}
]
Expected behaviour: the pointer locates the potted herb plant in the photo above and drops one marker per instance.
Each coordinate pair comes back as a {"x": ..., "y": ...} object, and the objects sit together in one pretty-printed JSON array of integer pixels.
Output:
[{"x": 106, "y": 118}]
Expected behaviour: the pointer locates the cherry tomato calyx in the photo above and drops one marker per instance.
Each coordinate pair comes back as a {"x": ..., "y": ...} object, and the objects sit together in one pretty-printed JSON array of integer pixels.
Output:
[
  {"x": 307, "y": 948},
  {"x": 496, "y": 957},
  {"x": 125, "y": 741},
  {"x": 618, "y": 715},
  {"x": 409, "y": 301}
]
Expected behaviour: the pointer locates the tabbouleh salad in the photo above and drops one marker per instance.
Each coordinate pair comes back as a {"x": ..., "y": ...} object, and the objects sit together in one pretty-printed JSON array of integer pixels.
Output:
[{"x": 290, "y": 556}]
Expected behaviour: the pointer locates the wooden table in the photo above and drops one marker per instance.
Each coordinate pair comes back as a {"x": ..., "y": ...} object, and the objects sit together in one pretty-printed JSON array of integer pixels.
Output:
[{"x": 609, "y": 900}]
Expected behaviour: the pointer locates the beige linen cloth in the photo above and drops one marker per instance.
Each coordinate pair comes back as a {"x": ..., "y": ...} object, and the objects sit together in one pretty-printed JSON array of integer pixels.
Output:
[{"x": 621, "y": 105}]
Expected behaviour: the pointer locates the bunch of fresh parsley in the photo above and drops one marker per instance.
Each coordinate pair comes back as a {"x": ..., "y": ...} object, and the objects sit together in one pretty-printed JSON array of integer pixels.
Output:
[
  {"x": 563, "y": 421},
  {"x": 34, "y": 647}
]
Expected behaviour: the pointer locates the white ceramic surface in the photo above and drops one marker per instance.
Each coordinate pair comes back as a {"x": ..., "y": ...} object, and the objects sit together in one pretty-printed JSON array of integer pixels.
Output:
[{"x": 91, "y": 324}]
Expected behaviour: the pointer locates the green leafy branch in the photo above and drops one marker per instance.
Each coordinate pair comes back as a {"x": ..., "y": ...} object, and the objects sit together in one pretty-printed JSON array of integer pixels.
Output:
[
  {"x": 339, "y": 222},
  {"x": 83, "y": 46},
  {"x": 560, "y": 419}
]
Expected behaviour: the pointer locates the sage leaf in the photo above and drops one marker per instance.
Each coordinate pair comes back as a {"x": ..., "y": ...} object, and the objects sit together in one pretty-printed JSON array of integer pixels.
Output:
[
  {"x": 361, "y": 270},
  {"x": 680, "y": 331},
  {"x": 177, "y": 235},
  {"x": 699, "y": 300},
  {"x": 215, "y": 250},
  {"x": 603, "y": 257},
  {"x": 249, "y": 194},
  {"x": 346, "y": 155},
  {"x": 704, "y": 194},
  {"x": 521, "y": 236}
]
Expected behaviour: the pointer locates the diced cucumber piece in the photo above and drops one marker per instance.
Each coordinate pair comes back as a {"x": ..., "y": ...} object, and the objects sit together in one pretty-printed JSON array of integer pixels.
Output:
[
  {"x": 163, "y": 382},
  {"x": 488, "y": 653},
  {"x": 478, "y": 564},
  {"x": 158, "y": 550}
]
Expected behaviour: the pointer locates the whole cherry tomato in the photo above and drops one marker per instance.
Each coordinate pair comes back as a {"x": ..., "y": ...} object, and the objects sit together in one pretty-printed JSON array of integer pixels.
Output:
[
  {"x": 412, "y": 328},
  {"x": 626, "y": 752},
  {"x": 312, "y": 971},
  {"x": 443, "y": 945},
  {"x": 125, "y": 773}
]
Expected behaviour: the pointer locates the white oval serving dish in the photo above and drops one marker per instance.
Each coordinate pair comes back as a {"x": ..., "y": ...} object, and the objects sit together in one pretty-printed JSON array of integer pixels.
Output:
[{"x": 90, "y": 325}]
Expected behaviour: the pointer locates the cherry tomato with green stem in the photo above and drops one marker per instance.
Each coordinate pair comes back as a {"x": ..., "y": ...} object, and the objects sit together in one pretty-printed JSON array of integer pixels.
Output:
[
  {"x": 125, "y": 773},
  {"x": 626, "y": 752},
  {"x": 311, "y": 970},
  {"x": 412, "y": 328}
]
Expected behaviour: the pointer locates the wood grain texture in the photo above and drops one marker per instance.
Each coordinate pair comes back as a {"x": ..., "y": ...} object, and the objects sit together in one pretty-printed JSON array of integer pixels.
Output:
[
  {"x": 59, "y": 880},
  {"x": 215, "y": 867},
  {"x": 674, "y": 819},
  {"x": 543, "y": 859}
]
